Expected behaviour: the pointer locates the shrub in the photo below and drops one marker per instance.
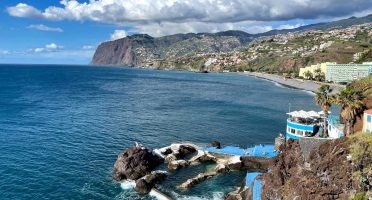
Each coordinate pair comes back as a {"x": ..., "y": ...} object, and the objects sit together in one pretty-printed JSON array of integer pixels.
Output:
[
  {"x": 361, "y": 151},
  {"x": 359, "y": 196}
]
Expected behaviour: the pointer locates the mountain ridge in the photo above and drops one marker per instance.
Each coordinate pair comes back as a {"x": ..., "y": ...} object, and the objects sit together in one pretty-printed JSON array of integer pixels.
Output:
[{"x": 147, "y": 51}]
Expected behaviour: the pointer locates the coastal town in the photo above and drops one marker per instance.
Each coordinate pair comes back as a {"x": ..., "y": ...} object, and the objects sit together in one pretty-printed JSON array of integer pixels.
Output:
[
  {"x": 281, "y": 53},
  {"x": 186, "y": 100}
]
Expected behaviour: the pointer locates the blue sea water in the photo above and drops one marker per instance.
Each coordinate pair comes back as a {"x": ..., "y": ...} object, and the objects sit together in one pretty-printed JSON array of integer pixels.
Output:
[{"x": 62, "y": 127}]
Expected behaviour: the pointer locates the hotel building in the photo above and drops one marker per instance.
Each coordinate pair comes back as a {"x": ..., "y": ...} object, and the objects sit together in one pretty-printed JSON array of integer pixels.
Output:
[{"x": 339, "y": 73}]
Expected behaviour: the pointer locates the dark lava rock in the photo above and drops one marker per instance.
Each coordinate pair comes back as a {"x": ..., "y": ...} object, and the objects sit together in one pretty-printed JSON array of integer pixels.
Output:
[
  {"x": 146, "y": 183},
  {"x": 185, "y": 150},
  {"x": 216, "y": 144},
  {"x": 235, "y": 166},
  {"x": 250, "y": 163},
  {"x": 134, "y": 163},
  {"x": 167, "y": 151},
  {"x": 255, "y": 163}
]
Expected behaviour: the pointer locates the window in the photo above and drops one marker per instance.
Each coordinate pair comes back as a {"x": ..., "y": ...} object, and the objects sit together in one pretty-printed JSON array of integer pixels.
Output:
[
  {"x": 293, "y": 131},
  {"x": 369, "y": 118},
  {"x": 288, "y": 129},
  {"x": 368, "y": 131},
  {"x": 300, "y": 133},
  {"x": 330, "y": 128},
  {"x": 308, "y": 133}
]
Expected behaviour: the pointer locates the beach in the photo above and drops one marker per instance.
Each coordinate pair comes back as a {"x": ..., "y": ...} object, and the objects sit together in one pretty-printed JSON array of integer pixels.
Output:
[{"x": 307, "y": 85}]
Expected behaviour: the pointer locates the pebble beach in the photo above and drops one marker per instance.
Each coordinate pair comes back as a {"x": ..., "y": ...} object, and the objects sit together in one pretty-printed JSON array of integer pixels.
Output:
[{"x": 307, "y": 85}]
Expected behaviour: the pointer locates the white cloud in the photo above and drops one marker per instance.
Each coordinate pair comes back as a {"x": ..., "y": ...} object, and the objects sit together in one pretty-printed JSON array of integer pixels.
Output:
[
  {"x": 258, "y": 29},
  {"x": 118, "y": 34},
  {"x": 289, "y": 26},
  {"x": 52, "y": 46},
  {"x": 24, "y": 10},
  {"x": 86, "y": 47},
  {"x": 42, "y": 27},
  {"x": 166, "y": 28},
  {"x": 38, "y": 50},
  {"x": 126, "y": 11},
  {"x": 47, "y": 48},
  {"x": 165, "y": 15}
]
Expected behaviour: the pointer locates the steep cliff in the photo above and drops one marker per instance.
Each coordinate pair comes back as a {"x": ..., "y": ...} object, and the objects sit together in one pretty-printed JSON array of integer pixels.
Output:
[
  {"x": 339, "y": 169},
  {"x": 144, "y": 50},
  {"x": 121, "y": 51}
]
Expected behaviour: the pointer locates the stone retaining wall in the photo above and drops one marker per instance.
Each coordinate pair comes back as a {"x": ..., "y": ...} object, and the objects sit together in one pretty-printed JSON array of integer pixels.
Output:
[{"x": 308, "y": 144}]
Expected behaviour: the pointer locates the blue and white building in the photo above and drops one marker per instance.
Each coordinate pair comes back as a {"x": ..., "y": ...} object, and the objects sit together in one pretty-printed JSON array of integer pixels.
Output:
[
  {"x": 367, "y": 121},
  {"x": 310, "y": 124},
  {"x": 335, "y": 127}
]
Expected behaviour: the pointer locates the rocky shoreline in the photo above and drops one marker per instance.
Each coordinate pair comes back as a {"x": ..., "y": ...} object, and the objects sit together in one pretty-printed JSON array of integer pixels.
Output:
[
  {"x": 139, "y": 165},
  {"x": 328, "y": 172}
]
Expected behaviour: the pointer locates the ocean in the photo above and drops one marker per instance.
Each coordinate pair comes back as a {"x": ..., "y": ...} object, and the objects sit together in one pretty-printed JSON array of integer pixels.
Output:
[{"x": 62, "y": 127}]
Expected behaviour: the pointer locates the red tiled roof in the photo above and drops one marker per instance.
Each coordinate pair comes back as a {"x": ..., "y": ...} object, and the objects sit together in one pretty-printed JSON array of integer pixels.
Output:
[{"x": 368, "y": 111}]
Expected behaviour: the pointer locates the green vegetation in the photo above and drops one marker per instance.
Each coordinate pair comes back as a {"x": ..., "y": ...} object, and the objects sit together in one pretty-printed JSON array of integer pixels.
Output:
[
  {"x": 351, "y": 99},
  {"x": 308, "y": 75},
  {"x": 359, "y": 196},
  {"x": 363, "y": 86},
  {"x": 351, "y": 104},
  {"x": 319, "y": 75},
  {"x": 366, "y": 57},
  {"x": 361, "y": 151},
  {"x": 324, "y": 100}
]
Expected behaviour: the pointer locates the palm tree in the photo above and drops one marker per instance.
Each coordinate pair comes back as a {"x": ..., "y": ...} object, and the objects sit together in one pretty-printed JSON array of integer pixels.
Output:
[
  {"x": 308, "y": 75},
  {"x": 324, "y": 100},
  {"x": 351, "y": 104},
  {"x": 319, "y": 75}
]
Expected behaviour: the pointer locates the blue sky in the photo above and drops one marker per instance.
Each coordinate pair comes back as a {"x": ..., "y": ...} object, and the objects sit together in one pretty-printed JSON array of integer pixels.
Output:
[{"x": 68, "y": 31}]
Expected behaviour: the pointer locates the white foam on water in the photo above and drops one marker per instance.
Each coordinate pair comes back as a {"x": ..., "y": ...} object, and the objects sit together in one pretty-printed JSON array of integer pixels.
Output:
[
  {"x": 215, "y": 196},
  {"x": 278, "y": 84},
  {"x": 309, "y": 92},
  {"x": 126, "y": 185},
  {"x": 235, "y": 159},
  {"x": 157, "y": 195}
]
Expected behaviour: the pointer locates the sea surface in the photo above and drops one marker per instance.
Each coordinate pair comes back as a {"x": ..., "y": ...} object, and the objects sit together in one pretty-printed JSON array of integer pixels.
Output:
[{"x": 62, "y": 127}]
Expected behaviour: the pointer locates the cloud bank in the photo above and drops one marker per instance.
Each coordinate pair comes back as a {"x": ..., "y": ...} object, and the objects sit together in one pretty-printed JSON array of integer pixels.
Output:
[{"x": 190, "y": 16}]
